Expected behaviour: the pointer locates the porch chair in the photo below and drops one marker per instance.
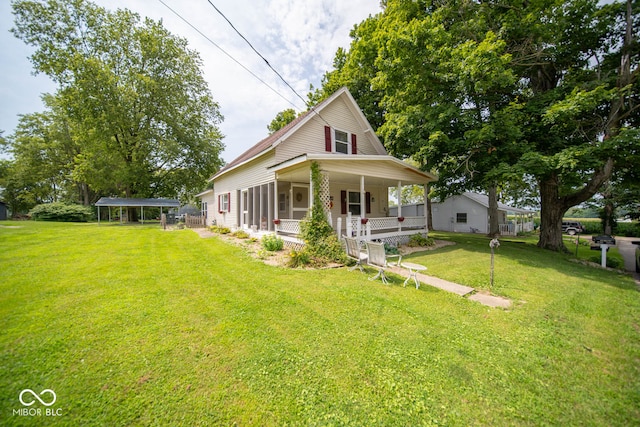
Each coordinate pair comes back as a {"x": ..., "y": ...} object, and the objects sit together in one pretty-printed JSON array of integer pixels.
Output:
[
  {"x": 353, "y": 252},
  {"x": 378, "y": 258}
]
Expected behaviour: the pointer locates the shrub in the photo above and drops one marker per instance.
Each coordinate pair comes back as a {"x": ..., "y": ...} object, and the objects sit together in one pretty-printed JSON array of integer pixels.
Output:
[
  {"x": 321, "y": 243},
  {"x": 240, "y": 234},
  {"x": 61, "y": 212},
  {"x": 390, "y": 249},
  {"x": 298, "y": 258},
  {"x": 611, "y": 262},
  {"x": 219, "y": 229},
  {"x": 272, "y": 243},
  {"x": 418, "y": 240}
]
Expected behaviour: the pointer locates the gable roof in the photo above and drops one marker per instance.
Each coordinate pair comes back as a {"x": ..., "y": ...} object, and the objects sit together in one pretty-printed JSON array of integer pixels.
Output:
[
  {"x": 277, "y": 137},
  {"x": 483, "y": 200}
]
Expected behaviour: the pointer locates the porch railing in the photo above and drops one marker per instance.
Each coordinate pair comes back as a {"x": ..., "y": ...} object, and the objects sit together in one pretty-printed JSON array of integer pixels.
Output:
[
  {"x": 390, "y": 229},
  {"x": 513, "y": 229}
]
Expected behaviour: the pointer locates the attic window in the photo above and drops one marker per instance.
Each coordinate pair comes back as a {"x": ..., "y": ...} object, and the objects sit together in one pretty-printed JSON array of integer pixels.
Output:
[
  {"x": 338, "y": 141},
  {"x": 342, "y": 142}
]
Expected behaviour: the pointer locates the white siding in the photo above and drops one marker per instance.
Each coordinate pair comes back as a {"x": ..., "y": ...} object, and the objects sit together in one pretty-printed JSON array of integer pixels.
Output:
[
  {"x": 445, "y": 214},
  {"x": 212, "y": 207},
  {"x": 309, "y": 138},
  {"x": 249, "y": 175}
]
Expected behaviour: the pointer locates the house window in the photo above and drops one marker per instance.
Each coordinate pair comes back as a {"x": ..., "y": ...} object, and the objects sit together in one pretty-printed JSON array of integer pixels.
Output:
[
  {"x": 282, "y": 204},
  {"x": 342, "y": 142},
  {"x": 461, "y": 218},
  {"x": 354, "y": 203},
  {"x": 204, "y": 210},
  {"x": 223, "y": 202}
]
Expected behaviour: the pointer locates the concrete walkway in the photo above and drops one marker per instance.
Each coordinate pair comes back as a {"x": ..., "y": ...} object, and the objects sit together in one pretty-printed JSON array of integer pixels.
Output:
[
  {"x": 462, "y": 290},
  {"x": 628, "y": 252}
]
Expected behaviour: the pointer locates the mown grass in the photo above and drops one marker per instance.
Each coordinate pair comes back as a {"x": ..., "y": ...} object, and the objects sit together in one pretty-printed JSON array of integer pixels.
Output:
[{"x": 138, "y": 326}]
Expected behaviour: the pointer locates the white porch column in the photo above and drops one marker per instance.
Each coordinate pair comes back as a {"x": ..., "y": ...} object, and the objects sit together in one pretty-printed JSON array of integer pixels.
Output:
[
  {"x": 275, "y": 202},
  {"x": 363, "y": 202},
  {"x": 310, "y": 190},
  {"x": 349, "y": 228},
  {"x": 425, "y": 209},
  {"x": 399, "y": 197}
]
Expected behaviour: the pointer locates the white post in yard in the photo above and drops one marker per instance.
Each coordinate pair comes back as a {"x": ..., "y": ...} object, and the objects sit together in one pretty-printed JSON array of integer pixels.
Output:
[
  {"x": 349, "y": 228},
  {"x": 603, "y": 259}
]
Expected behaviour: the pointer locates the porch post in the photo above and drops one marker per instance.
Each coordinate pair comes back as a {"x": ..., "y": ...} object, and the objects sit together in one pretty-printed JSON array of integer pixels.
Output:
[
  {"x": 275, "y": 202},
  {"x": 425, "y": 211},
  {"x": 363, "y": 202},
  {"x": 399, "y": 197},
  {"x": 310, "y": 191}
]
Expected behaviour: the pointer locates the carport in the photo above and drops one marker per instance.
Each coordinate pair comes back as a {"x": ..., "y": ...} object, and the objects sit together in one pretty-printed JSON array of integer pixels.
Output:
[{"x": 119, "y": 202}]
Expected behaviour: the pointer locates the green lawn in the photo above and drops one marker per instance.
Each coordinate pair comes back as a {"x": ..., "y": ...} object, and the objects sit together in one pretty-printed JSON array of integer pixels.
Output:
[{"x": 132, "y": 325}]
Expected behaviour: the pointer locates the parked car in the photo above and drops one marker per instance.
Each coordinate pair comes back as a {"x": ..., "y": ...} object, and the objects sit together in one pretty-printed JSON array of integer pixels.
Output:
[{"x": 572, "y": 227}]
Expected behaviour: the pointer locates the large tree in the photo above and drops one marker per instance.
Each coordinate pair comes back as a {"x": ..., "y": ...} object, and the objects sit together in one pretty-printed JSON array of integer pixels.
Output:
[
  {"x": 503, "y": 93},
  {"x": 141, "y": 114}
]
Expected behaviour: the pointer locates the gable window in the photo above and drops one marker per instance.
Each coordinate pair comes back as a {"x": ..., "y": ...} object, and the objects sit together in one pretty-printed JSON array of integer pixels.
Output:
[
  {"x": 342, "y": 142},
  {"x": 339, "y": 141},
  {"x": 461, "y": 218}
]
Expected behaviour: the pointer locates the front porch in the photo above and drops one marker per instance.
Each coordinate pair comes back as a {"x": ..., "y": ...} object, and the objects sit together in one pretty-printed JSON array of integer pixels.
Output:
[
  {"x": 354, "y": 193},
  {"x": 392, "y": 230}
]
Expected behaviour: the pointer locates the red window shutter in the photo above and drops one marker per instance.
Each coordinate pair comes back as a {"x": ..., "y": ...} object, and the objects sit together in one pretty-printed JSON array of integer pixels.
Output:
[
  {"x": 354, "y": 144},
  {"x": 343, "y": 202},
  {"x": 228, "y": 202},
  {"x": 220, "y": 203},
  {"x": 327, "y": 138},
  {"x": 368, "y": 201}
]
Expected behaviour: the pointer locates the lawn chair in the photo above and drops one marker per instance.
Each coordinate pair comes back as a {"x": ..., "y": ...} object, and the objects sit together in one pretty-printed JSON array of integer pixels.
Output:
[
  {"x": 378, "y": 258},
  {"x": 353, "y": 252}
]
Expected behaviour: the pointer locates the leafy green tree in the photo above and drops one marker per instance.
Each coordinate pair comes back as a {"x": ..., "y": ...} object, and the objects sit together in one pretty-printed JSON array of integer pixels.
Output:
[
  {"x": 579, "y": 67},
  {"x": 141, "y": 114},
  {"x": 503, "y": 94},
  {"x": 282, "y": 119}
]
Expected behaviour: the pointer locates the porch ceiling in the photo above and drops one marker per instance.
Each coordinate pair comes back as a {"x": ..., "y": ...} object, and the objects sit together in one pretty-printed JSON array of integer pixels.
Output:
[{"x": 377, "y": 170}]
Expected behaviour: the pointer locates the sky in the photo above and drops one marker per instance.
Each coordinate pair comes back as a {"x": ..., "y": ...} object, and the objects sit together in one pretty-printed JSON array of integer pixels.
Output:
[{"x": 299, "y": 38}]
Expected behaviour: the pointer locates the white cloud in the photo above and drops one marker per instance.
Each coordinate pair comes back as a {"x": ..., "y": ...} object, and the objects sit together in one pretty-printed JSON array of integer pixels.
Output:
[{"x": 298, "y": 37}]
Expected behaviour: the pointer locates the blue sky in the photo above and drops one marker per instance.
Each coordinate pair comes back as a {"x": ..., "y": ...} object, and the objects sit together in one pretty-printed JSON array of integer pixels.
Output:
[{"x": 298, "y": 37}]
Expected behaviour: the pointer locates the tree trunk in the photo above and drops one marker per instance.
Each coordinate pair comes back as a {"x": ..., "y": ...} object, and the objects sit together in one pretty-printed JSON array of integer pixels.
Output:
[
  {"x": 494, "y": 223},
  {"x": 551, "y": 212}
]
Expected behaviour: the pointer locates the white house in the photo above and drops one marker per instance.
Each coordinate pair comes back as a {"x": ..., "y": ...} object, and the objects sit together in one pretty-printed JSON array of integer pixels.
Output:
[
  {"x": 469, "y": 212},
  {"x": 268, "y": 188}
]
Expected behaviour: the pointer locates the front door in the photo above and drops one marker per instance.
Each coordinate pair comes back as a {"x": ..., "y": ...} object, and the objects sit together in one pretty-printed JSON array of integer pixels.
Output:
[{"x": 299, "y": 200}]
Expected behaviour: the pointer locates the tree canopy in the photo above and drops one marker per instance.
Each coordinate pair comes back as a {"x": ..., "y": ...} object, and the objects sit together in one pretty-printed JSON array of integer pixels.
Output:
[
  {"x": 502, "y": 94},
  {"x": 132, "y": 115}
]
